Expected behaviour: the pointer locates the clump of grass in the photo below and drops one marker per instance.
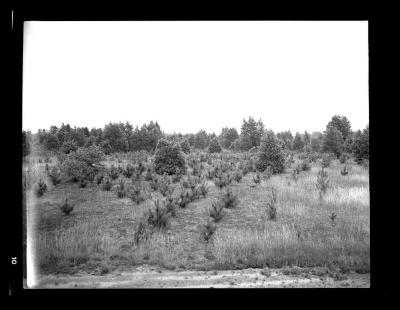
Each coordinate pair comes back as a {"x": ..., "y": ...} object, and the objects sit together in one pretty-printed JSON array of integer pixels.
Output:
[
  {"x": 66, "y": 207},
  {"x": 322, "y": 182},
  {"x": 216, "y": 212},
  {"x": 107, "y": 184},
  {"x": 208, "y": 230},
  {"x": 121, "y": 192},
  {"x": 229, "y": 199},
  {"x": 271, "y": 205},
  {"x": 40, "y": 188}
]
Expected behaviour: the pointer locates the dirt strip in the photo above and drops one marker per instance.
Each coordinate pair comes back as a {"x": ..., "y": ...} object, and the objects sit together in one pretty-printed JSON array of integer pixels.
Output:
[{"x": 156, "y": 278}]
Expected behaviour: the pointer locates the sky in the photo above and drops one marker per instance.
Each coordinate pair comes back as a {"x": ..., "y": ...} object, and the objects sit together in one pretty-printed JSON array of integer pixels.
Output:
[{"x": 192, "y": 75}]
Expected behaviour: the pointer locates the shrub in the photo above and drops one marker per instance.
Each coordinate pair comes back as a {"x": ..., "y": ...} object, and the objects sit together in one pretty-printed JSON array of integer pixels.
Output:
[
  {"x": 55, "y": 175},
  {"x": 121, "y": 189},
  {"x": 214, "y": 146},
  {"x": 268, "y": 172},
  {"x": 184, "y": 198},
  {"x": 229, "y": 199},
  {"x": 344, "y": 171},
  {"x": 107, "y": 184},
  {"x": 305, "y": 165},
  {"x": 185, "y": 146},
  {"x": 164, "y": 186},
  {"x": 257, "y": 178},
  {"x": 222, "y": 180},
  {"x": 66, "y": 207},
  {"x": 168, "y": 158},
  {"x": 69, "y": 146},
  {"x": 343, "y": 158},
  {"x": 82, "y": 164},
  {"x": 136, "y": 193},
  {"x": 158, "y": 216},
  {"x": 143, "y": 231},
  {"x": 216, "y": 212},
  {"x": 270, "y": 154},
  {"x": 171, "y": 204},
  {"x": 238, "y": 176},
  {"x": 201, "y": 189},
  {"x": 82, "y": 183},
  {"x": 128, "y": 171},
  {"x": 113, "y": 172},
  {"x": 40, "y": 188},
  {"x": 208, "y": 230},
  {"x": 99, "y": 178},
  {"x": 322, "y": 182},
  {"x": 271, "y": 205},
  {"x": 326, "y": 161}
]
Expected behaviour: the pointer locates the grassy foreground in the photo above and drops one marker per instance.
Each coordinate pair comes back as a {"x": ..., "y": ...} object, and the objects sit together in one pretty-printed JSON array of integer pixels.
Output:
[{"x": 98, "y": 236}]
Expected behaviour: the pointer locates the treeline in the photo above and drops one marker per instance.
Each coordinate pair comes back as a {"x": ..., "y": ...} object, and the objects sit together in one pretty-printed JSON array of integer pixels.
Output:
[{"x": 338, "y": 138}]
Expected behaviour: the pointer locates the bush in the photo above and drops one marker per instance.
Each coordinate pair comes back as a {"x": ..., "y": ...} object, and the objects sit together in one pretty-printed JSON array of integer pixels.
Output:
[
  {"x": 208, "y": 230},
  {"x": 216, "y": 211},
  {"x": 270, "y": 154},
  {"x": 164, "y": 186},
  {"x": 158, "y": 216},
  {"x": 168, "y": 158},
  {"x": 66, "y": 207},
  {"x": 201, "y": 189},
  {"x": 113, "y": 172},
  {"x": 128, "y": 171},
  {"x": 185, "y": 197},
  {"x": 69, "y": 146},
  {"x": 305, "y": 165},
  {"x": 257, "y": 178},
  {"x": 107, "y": 184},
  {"x": 136, "y": 193},
  {"x": 40, "y": 188},
  {"x": 322, "y": 182},
  {"x": 271, "y": 205},
  {"x": 121, "y": 189},
  {"x": 229, "y": 199},
  {"x": 214, "y": 146},
  {"x": 326, "y": 160},
  {"x": 55, "y": 175},
  {"x": 82, "y": 164},
  {"x": 185, "y": 146},
  {"x": 222, "y": 180}
]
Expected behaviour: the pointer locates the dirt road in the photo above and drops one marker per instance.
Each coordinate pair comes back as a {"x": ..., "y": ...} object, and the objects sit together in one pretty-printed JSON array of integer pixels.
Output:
[{"x": 147, "y": 277}]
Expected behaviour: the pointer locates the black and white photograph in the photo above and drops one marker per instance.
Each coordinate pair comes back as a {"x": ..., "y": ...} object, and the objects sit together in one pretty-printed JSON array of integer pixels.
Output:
[{"x": 195, "y": 154}]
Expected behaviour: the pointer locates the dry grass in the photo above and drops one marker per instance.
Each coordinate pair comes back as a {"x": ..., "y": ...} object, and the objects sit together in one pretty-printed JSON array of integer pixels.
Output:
[{"x": 100, "y": 230}]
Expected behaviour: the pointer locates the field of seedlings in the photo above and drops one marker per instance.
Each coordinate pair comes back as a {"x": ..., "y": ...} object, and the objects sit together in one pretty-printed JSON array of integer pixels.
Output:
[{"x": 220, "y": 213}]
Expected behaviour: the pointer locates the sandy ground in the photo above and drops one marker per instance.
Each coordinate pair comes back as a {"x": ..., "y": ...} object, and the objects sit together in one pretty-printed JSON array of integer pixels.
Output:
[{"x": 147, "y": 277}]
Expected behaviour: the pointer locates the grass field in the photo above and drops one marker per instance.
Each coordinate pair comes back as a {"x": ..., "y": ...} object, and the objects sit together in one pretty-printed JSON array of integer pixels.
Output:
[{"x": 98, "y": 236}]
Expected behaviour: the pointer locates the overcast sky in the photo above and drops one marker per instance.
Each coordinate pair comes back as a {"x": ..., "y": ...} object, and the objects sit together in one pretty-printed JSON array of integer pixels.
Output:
[{"x": 195, "y": 75}]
